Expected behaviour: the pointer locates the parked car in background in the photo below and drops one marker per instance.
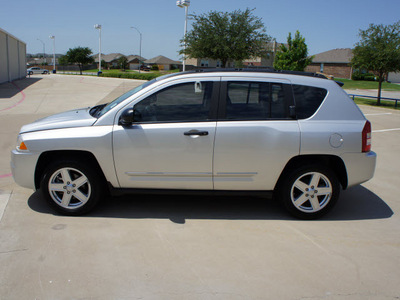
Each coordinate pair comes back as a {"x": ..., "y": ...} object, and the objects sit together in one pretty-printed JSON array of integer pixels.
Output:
[
  {"x": 145, "y": 68},
  {"x": 296, "y": 136},
  {"x": 36, "y": 70}
]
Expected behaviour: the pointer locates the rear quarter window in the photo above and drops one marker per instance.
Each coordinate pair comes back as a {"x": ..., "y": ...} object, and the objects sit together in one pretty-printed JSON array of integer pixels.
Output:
[{"x": 308, "y": 99}]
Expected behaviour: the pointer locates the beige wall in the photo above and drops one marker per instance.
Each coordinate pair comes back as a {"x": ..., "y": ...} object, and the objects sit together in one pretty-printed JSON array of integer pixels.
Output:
[
  {"x": 12, "y": 57},
  {"x": 3, "y": 58}
]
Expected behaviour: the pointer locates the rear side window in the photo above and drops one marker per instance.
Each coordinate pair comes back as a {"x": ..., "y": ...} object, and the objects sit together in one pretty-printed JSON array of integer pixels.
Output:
[
  {"x": 255, "y": 101},
  {"x": 308, "y": 99}
]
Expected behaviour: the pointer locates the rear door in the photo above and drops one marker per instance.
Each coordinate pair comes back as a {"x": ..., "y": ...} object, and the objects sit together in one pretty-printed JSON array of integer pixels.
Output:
[{"x": 255, "y": 135}]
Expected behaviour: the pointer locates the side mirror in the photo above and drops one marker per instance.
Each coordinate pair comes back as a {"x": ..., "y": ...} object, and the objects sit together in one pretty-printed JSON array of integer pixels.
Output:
[
  {"x": 126, "y": 117},
  {"x": 129, "y": 116}
]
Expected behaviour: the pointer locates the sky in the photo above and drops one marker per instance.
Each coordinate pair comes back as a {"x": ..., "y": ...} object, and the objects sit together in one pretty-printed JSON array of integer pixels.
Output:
[{"x": 326, "y": 25}]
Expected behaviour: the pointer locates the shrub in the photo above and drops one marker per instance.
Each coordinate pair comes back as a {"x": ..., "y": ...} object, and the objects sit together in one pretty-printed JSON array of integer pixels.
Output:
[
  {"x": 141, "y": 76},
  {"x": 363, "y": 76},
  {"x": 154, "y": 68}
]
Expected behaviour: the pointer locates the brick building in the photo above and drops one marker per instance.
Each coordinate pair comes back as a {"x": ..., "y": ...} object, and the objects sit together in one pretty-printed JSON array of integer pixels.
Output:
[{"x": 334, "y": 62}]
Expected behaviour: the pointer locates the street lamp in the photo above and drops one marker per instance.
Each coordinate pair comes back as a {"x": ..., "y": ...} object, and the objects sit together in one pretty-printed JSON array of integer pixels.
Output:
[
  {"x": 185, "y": 4},
  {"x": 53, "y": 37},
  {"x": 140, "y": 48},
  {"x": 98, "y": 26},
  {"x": 44, "y": 51}
]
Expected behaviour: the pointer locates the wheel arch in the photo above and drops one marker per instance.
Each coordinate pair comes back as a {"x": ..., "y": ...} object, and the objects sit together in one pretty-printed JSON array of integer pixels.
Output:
[
  {"x": 50, "y": 156},
  {"x": 333, "y": 162}
]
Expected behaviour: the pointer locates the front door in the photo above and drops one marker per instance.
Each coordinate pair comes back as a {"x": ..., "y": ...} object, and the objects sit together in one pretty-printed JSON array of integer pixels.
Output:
[{"x": 170, "y": 145}]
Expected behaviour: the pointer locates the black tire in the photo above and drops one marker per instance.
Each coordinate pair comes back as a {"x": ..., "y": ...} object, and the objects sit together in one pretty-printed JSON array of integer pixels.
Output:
[
  {"x": 309, "y": 192},
  {"x": 30, "y": 73},
  {"x": 72, "y": 187}
]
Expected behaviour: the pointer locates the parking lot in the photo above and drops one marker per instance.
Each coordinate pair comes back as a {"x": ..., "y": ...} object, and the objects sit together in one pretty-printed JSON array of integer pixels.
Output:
[{"x": 192, "y": 247}]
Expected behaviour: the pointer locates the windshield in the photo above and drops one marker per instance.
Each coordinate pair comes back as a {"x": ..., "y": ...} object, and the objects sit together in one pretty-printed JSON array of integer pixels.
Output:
[{"x": 121, "y": 98}]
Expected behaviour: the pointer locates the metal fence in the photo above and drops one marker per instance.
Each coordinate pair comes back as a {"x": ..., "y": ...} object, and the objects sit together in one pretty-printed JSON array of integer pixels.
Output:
[{"x": 353, "y": 96}]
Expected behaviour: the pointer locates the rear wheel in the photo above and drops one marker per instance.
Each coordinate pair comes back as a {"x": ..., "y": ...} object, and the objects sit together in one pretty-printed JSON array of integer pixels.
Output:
[
  {"x": 72, "y": 187},
  {"x": 309, "y": 192}
]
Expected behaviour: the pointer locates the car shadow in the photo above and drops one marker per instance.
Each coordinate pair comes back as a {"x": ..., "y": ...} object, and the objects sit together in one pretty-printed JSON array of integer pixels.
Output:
[
  {"x": 357, "y": 203},
  {"x": 9, "y": 90}
]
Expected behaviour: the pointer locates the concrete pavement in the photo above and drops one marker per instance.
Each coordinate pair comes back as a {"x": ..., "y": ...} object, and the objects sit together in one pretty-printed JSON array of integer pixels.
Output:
[{"x": 191, "y": 247}]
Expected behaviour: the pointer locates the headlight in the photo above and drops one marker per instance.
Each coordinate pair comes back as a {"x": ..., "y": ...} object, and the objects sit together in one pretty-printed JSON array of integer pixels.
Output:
[{"x": 21, "y": 145}]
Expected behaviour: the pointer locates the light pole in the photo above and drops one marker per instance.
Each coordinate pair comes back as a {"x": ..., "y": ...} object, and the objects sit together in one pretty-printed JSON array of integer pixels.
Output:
[
  {"x": 98, "y": 26},
  {"x": 44, "y": 52},
  {"x": 53, "y": 37},
  {"x": 140, "y": 48},
  {"x": 185, "y": 4}
]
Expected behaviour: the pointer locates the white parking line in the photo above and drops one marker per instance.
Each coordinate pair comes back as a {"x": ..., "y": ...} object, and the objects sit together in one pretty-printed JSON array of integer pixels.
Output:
[
  {"x": 378, "y": 114},
  {"x": 385, "y": 130}
]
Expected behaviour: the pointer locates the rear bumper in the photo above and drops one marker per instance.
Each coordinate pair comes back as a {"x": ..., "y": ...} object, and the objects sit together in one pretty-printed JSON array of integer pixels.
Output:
[{"x": 360, "y": 167}]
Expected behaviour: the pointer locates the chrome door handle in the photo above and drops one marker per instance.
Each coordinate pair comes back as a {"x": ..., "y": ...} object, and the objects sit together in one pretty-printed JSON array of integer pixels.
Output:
[{"x": 196, "y": 132}]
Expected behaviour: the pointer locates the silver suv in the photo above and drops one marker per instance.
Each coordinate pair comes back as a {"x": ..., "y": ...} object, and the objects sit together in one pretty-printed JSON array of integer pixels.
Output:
[
  {"x": 297, "y": 136},
  {"x": 36, "y": 70}
]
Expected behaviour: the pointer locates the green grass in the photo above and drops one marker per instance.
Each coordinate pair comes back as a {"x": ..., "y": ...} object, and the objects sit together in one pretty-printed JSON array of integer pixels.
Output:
[
  {"x": 367, "y": 85},
  {"x": 130, "y": 75},
  {"x": 372, "y": 102},
  {"x": 136, "y": 75},
  {"x": 110, "y": 71}
]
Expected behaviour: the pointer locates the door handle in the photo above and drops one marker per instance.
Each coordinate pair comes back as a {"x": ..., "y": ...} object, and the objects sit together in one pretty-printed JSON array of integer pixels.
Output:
[{"x": 196, "y": 132}]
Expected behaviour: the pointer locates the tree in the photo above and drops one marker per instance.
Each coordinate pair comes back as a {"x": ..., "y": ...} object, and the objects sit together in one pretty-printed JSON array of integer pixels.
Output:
[
  {"x": 378, "y": 51},
  {"x": 224, "y": 36},
  {"x": 63, "y": 60},
  {"x": 80, "y": 56},
  {"x": 122, "y": 62},
  {"x": 294, "y": 56}
]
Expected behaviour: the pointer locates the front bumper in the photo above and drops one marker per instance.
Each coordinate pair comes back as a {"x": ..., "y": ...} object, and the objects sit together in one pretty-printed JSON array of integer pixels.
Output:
[{"x": 23, "y": 165}]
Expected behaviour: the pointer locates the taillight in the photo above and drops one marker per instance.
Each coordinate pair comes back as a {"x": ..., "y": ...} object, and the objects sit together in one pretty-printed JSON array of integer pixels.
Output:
[{"x": 366, "y": 137}]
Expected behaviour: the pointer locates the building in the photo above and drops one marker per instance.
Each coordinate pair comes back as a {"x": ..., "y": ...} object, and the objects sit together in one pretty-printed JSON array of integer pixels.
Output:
[
  {"x": 206, "y": 63},
  {"x": 394, "y": 77},
  {"x": 265, "y": 61},
  {"x": 12, "y": 57},
  {"x": 334, "y": 62},
  {"x": 111, "y": 60},
  {"x": 163, "y": 63},
  {"x": 135, "y": 61}
]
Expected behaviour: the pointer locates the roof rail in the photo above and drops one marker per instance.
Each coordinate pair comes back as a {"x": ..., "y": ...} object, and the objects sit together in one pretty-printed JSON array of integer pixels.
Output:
[{"x": 261, "y": 70}]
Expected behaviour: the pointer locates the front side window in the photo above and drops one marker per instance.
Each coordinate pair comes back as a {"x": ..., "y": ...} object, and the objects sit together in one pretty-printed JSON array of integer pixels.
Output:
[
  {"x": 179, "y": 103},
  {"x": 255, "y": 101},
  {"x": 123, "y": 97}
]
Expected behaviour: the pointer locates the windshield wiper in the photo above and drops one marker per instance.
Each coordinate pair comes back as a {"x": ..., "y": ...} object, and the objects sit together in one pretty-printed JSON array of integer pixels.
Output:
[{"x": 95, "y": 110}]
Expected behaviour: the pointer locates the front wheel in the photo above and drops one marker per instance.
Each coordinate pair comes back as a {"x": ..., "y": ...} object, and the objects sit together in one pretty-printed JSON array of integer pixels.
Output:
[
  {"x": 309, "y": 192},
  {"x": 72, "y": 187}
]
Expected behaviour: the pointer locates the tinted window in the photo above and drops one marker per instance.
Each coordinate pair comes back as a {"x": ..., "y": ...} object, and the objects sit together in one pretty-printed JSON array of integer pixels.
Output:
[
  {"x": 181, "y": 102},
  {"x": 307, "y": 99},
  {"x": 255, "y": 101}
]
